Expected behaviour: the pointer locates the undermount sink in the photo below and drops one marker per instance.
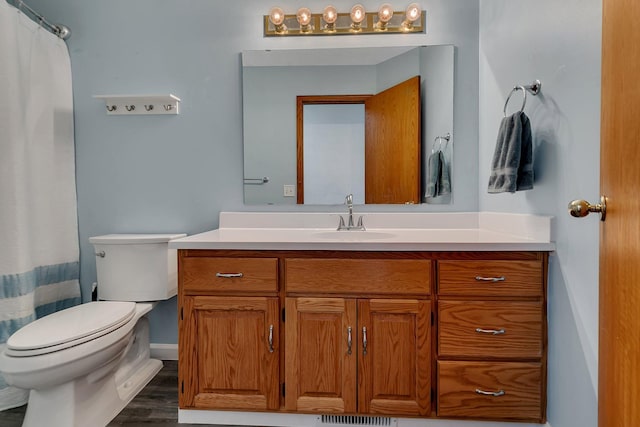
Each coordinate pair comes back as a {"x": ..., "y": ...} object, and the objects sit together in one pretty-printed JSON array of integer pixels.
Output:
[{"x": 355, "y": 235}]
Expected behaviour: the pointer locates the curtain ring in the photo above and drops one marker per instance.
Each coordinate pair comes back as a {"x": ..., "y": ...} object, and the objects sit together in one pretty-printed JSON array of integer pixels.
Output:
[{"x": 524, "y": 98}]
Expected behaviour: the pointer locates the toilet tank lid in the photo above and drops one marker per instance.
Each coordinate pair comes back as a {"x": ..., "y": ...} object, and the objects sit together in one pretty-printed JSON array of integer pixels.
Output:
[{"x": 137, "y": 239}]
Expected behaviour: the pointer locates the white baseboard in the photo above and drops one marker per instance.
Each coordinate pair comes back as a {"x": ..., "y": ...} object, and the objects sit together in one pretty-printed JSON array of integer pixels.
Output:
[{"x": 164, "y": 351}]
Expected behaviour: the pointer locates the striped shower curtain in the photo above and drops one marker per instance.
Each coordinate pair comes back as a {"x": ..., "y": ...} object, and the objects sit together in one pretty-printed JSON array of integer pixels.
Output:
[{"x": 39, "y": 253}]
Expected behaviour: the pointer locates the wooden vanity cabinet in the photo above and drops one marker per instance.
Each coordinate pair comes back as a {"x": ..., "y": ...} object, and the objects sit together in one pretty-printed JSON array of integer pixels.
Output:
[
  {"x": 229, "y": 328},
  {"x": 382, "y": 333},
  {"x": 492, "y": 338}
]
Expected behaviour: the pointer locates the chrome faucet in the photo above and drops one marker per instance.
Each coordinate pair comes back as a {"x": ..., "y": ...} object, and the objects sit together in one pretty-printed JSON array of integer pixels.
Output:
[{"x": 350, "y": 224}]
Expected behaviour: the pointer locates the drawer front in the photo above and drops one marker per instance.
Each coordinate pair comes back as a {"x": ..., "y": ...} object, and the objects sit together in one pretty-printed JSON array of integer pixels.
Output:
[
  {"x": 490, "y": 278},
  {"x": 379, "y": 276},
  {"x": 211, "y": 274},
  {"x": 503, "y": 329},
  {"x": 502, "y": 390}
]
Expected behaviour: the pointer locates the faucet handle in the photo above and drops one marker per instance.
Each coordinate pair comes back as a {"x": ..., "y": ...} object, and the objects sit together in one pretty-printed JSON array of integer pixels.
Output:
[
  {"x": 341, "y": 225},
  {"x": 360, "y": 224}
]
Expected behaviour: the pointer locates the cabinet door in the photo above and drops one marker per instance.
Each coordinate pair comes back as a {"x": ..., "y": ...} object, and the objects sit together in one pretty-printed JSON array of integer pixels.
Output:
[
  {"x": 229, "y": 353},
  {"x": 320, "y": 371},
  {"x": 394, "y": 370}
]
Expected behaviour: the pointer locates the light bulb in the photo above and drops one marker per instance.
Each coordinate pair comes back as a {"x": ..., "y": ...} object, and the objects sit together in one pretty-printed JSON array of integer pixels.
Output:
[
  {"x": 330, "y": 14},
  {"x": 357, "y": 13},
  {"x": 357, "y": 16},
  {"x": 385, "y": 13},
  {"x": 276, "y": 16},
  {"x": 304, "y": 16},
  {"x": 413, "y": 12}
]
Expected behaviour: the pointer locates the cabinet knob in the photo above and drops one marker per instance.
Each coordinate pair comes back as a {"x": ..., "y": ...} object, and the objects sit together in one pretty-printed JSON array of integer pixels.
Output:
[{"x": 349, "y": 340}]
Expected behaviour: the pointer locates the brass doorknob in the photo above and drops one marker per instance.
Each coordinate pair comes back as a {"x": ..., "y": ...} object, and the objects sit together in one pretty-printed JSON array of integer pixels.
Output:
[{"x": 581, "y": 208}]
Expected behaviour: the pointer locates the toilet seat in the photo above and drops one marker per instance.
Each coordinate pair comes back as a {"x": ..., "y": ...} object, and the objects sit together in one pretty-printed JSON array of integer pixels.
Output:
[{"x": 70, "y": 327}]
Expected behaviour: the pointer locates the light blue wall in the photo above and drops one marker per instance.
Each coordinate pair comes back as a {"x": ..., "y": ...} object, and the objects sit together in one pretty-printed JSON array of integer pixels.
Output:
[
  {"x": 559, "y": 43},
  {"x": 176, "y": 173}
]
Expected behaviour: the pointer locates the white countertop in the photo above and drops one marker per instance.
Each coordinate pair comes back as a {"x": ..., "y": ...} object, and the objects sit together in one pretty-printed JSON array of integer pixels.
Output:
[{"x": 477, "y": 231}]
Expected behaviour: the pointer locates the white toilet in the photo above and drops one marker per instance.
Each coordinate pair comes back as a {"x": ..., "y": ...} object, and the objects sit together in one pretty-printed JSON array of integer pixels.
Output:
[{"x": 83, "y": 365}]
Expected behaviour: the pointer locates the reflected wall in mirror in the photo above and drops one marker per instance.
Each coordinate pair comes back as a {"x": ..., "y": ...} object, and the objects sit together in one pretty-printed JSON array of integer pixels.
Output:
[{"x": 334, "y": 141}]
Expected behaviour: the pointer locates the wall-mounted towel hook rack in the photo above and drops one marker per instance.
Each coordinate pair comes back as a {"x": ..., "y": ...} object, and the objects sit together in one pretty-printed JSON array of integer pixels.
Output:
[
  {"x": 534, "y": 88},
  {"x": 141, "y": 104}
]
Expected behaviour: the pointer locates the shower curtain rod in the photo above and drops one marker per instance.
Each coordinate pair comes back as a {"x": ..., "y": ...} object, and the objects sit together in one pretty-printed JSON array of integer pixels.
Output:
[{"x": 57, "y": 29}]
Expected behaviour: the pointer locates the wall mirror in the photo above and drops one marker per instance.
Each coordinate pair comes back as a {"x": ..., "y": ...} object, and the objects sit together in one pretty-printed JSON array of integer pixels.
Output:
[{"x": 305, "y": 121}]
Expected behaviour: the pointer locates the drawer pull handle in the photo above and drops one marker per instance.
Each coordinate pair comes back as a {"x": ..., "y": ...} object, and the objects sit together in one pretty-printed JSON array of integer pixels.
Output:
[
  {"x": 364, "y": 340},
  {"x": 349, "y": 340},
  {"x": 228, "y": 275},
  {"x": 491, "y": 331},
  {"x": 490, "y": 393},
  {"x": 270, "y": 338},
  {"x": 490, "y": 279}
]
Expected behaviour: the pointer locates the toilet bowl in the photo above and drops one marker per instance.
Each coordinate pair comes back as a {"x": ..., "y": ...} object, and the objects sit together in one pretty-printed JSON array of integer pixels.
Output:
[{"x": 83, "y": 365}]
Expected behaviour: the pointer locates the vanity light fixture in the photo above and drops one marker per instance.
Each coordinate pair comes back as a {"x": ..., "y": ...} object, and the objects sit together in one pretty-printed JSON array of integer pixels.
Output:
[{"x": 357, "y": 20}]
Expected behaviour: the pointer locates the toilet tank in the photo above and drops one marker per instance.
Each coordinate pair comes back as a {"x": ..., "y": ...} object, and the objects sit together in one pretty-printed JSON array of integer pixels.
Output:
[{"x": 136, "y": 267}]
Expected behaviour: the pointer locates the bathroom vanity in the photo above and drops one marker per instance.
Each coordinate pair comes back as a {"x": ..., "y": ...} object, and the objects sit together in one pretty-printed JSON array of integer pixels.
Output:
[{"x": 443, "y": 318}]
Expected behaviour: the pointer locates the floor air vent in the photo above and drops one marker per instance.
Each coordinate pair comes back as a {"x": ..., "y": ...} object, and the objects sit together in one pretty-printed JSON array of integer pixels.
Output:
[{"x": 355, "y": 420}]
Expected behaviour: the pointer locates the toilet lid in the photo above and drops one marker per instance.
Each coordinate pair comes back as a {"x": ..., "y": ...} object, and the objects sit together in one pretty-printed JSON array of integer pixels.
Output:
[{"x": 70, "y": 327}]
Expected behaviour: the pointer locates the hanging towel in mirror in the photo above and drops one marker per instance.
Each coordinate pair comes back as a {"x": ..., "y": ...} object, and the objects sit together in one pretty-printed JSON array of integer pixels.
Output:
[
  {"x": 512, "y": 163},
  {"x": 438, "y": 182}
]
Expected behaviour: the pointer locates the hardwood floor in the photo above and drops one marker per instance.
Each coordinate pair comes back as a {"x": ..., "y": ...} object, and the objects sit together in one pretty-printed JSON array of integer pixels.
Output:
[{"x": 155, "y": 405}]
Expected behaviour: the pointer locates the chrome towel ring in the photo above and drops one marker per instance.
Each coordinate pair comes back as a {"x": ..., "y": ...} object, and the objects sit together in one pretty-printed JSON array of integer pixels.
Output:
[{"x": 533, "y": 88}]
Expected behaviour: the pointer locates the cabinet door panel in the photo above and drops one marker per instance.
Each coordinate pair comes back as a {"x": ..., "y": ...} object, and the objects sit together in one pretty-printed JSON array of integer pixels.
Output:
[
  {"x": 228, "y": 359},
  {"x": 320, "y": 373},
  {"x": 395, "y": 371}
]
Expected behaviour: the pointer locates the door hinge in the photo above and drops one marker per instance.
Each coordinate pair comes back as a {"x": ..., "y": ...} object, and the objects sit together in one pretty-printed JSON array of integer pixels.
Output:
[
  {"x": 283, "y": 314},
  {"x": 283, "y": 388}
]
